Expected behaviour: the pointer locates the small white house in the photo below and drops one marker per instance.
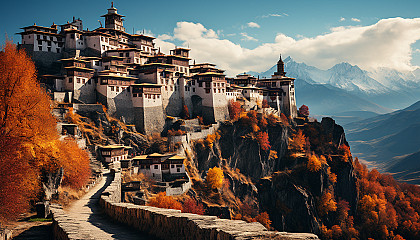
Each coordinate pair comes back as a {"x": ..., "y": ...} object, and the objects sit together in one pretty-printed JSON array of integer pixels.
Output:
[
  {"x": 159, "y": 166},
  {"x": 114, "y": 153}
]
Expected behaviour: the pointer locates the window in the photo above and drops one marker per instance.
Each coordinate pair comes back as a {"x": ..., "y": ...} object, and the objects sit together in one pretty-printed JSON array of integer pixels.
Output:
[
  {"x": 134, "y": 94},
  {"x": 207, "y": 85},
  {"x": 121, "y": 54},
  {"x": 78, "y": 80},
  {"x": 58, "y": 50},
  {"x": 154, "y": 96},
  {"x": 273, "y": 84},
  {"x": 118, "y": 89},
  {"x": 84, "y": 81},
  {"x": 178, "y": 170},
  {"x": 172, "y": 88},
  {"x": 90, "y": 82},
  {"x": 112, "y": 88},
  {"x": 223, "y": 84},
  {"x": 166, "y": 88},
  {"x": 186, "y": 88},
  {"x": 207, "y": 90},
  {"x": 127, "y": 54},
  {"x": 214, "y": 89},
  {"x": 172, "y": 166},
  {"x": 193, "y": 89},
  {"x": 193, "y": 82},
  {"x": 70, "y": 80},
  {"x": 214, "y": 84},
  {"x": 40, "y": 48},
  {"x": 156, "y": 166},
  {"x": 72, "y": 36},
  {"x": 200, "y": 84}
]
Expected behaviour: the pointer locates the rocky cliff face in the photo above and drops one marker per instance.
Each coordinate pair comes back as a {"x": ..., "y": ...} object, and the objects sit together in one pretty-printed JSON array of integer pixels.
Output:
[{"x": 284, "y": 187}]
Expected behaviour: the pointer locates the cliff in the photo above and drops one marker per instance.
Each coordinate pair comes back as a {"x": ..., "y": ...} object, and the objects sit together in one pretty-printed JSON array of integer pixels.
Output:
[{"x": 279, "y": 181}]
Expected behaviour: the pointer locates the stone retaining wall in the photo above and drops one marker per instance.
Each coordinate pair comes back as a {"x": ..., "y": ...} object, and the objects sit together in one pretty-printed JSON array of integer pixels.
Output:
[{"x": 172, "y": 224}]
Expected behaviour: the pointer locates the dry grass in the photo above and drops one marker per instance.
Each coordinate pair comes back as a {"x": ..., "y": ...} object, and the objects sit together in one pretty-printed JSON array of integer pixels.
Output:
[
  {"x": 127, "y": 177},
  {"x": 68, "y": 195}
]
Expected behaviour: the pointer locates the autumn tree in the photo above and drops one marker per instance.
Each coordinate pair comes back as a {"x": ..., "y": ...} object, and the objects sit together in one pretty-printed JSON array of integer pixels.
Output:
[
  {"x": 192, "y": 206},
  {"x": 163, "y": 201},
  {"x": 264, "y": 219},
  {"x": 215, "y": 177},
  {"x": 263, "y": 141},
  {"x": 234, "y": 108},
  {"x": 75, "y": 163},
  {"x": 313, "y": 165},
  {"x": 29, "y": 145},
  {"x": 25, "y": 123},
  {"x": 297, "y": 142},
  {"x": 284, "y": 119},
  {"x": 303, "y": 111},
  {"x": 327, "y": 203}
]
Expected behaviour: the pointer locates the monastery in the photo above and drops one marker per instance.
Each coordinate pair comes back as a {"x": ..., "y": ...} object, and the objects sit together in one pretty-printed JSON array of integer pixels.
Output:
[{"x": 135, "y": 80}]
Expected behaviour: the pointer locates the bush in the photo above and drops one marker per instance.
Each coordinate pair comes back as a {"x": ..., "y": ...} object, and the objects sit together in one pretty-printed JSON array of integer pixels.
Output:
[
  {"x": 191, "y": 206},
  {"x": 163, "y": 201},
  {"x": 262, "y": 138}
]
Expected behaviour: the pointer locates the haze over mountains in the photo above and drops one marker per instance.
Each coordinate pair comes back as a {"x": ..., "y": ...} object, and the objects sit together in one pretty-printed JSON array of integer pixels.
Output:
[
  {"x": 349, "y": 93},
  {"x": 364, "y": 102}
]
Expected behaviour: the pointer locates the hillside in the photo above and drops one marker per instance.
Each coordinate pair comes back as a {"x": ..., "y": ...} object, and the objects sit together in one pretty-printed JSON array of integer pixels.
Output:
[{"x": 390, "y": 141}]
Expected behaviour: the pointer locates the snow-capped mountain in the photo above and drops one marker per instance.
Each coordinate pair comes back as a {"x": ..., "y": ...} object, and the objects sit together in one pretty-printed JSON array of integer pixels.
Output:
[{"x": 384, "y": 86}]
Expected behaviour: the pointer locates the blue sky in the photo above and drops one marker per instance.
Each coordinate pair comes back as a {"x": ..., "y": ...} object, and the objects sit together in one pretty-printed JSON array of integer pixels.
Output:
[{"x": 241, "y": 25}]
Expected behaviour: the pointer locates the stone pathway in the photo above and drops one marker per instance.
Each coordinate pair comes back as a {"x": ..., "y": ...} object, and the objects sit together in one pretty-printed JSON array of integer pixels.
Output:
[{"x": 89, "y": 215}]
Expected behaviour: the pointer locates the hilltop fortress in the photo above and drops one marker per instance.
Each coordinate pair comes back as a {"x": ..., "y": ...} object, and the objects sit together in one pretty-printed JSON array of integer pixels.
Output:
[{"x": 135, "y": 80}]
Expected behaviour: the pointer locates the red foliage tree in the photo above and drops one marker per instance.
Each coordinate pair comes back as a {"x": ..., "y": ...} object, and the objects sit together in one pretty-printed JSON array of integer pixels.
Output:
[
  {"x": 264, "y": 219},
  {"x": 234, "y": 109},
  {"x": 262, "y": 138},
  {"x": 303, "y": 111}
]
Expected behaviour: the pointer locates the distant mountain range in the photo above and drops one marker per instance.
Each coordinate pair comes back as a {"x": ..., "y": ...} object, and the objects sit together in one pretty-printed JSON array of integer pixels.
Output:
[
  {"x": 349, "y": 93},
  {"x": 389, "y": 142}
]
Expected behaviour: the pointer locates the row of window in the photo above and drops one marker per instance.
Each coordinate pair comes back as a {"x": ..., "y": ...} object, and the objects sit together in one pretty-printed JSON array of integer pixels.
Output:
[
  {"x": 117, "y": 89},
  {"x": 148, "y": 96},
  {"x": 80, "y": 80},
  {"x": 51, "y": 38}
]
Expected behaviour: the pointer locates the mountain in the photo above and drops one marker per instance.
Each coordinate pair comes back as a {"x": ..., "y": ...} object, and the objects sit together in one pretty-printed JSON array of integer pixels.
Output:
[
  {"x": 390, "y": 141},
  {"x": 385, "y": 87}
]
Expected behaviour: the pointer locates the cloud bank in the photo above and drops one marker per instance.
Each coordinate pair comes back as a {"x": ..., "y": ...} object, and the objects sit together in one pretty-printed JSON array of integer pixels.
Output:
[{"x": 386, "y": 43}]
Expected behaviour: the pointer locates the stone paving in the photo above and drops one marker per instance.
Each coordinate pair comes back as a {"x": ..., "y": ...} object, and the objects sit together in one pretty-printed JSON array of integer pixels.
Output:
[{"x": 89, "y": 215}]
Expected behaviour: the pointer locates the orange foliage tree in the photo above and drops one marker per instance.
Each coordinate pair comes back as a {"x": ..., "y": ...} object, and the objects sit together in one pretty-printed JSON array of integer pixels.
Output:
[
  {"x": 25, "y": 122},
  {"x": 264, "y": 219},
  {"x": 75, "y": 163},
  {"x": 262, "y": 138},
  {"x": 303, "y": 111},
  {"x": 29, "y": 143},
  {"x": 191, "y": 206},
  {"x": 313, "y": 163},
  {"x": 234, "y": 109},
  {"x": 327, "y": 203},
  {"x": 163, "y": 201},
  {"x": 297, "y": 142},
  {"x": 215, "y": 177}
]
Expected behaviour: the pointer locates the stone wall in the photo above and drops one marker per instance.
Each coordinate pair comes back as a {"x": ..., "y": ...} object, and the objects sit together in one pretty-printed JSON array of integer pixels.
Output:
[
  {"x": 172, "y": 224},
  {"x": 149, "y": 120}
]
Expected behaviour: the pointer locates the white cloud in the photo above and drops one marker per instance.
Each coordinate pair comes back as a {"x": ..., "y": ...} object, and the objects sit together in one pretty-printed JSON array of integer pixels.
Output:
[
  {"x": 417, "y": 51},
  {"x": 355, "y": 20},
  {"x": 386, "y": 43},
  {"x": 253, "y": 25},
  {"x": 275, "y": 15},
  {"x": 342, "y": 19},
  {"x": 246, "y": 37},
  {"x": 165, "y": 37}
]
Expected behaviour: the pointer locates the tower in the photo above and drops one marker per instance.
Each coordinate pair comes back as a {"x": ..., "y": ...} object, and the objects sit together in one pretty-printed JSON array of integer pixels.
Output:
[
  {"x": 280, "y": 68},
  {"x": 114, "y": 20}
]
